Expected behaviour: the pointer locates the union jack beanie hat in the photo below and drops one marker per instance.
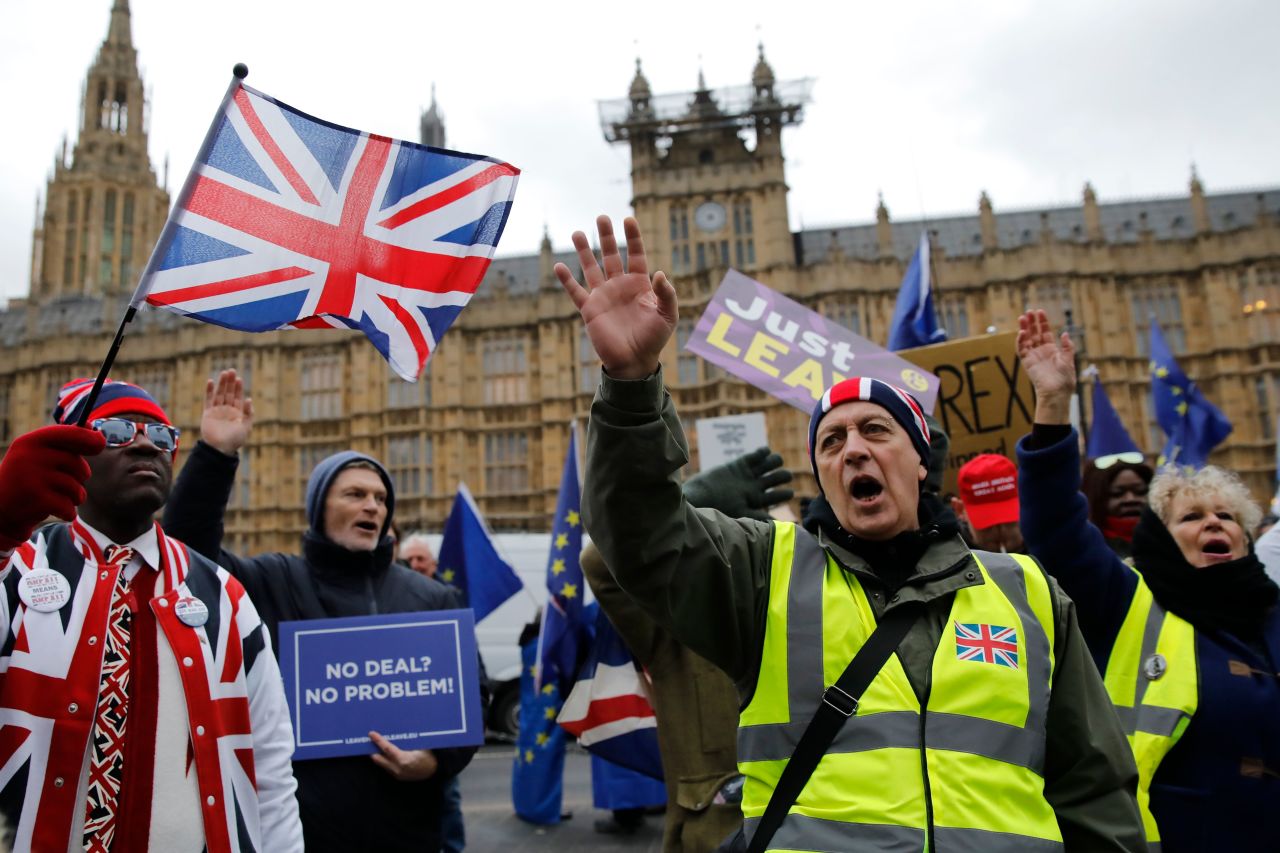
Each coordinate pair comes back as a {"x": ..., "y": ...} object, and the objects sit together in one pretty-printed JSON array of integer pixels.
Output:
[
  {"x": 902, "y": 407},
  {"x": 116, "y": 398}
]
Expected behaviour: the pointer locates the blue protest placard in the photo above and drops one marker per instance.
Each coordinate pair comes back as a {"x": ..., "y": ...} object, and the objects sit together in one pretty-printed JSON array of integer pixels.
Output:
[{"x": 412, "y": 677}]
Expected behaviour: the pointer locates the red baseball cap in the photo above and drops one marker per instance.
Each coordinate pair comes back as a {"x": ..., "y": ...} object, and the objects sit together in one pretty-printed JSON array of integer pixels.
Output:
[{"x": 988, "y": 486}]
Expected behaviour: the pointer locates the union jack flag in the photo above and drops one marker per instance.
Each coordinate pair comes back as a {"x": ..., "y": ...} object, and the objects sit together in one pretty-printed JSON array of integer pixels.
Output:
[
  {"x": 608, "y": 709},
  {"x": 288, "y": 221},
  {"x": 987, "y": 643}
]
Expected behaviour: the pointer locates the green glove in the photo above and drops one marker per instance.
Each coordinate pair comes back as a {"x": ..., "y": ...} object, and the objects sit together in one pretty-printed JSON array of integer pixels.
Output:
[{"x": 745, "y": 487}]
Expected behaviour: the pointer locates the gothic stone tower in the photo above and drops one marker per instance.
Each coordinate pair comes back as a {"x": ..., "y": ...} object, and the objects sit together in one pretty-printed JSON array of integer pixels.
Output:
[
  {"x": 103, "y": 207},
  {"x": 431, "y": 124},
  {"x": 707, "y": 170}
]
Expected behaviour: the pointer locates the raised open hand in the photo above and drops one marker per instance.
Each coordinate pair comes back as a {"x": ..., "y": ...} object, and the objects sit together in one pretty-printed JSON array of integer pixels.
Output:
[
  {"x": 629, "y": 317},
  {"x": 1049, "y": 363},
  {"x": 228, "y": 414}
]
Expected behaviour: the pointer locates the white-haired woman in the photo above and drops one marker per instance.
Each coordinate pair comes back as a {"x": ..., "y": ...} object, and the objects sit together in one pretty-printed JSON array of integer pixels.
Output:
[{"x": 1188, "y": 638}]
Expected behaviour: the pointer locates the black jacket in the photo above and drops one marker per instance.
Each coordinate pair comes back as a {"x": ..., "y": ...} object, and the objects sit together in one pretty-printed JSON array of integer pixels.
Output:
[{"x": 347, "y": 804}]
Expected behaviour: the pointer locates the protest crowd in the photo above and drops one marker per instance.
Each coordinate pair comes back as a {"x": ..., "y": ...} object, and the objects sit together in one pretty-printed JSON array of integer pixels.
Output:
[
  {"x": 1067, "y": 654},
  {"x": 1067, "y": 644}
]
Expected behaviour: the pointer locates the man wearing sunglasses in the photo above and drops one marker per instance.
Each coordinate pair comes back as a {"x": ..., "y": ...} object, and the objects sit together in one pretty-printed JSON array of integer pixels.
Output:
[
  {"x": 345, "y": 569},
  {"x": 138, "y": 710}
]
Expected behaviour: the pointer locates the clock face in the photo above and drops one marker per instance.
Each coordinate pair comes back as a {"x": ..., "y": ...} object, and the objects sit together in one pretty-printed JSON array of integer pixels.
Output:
[{"x": 709, "y": 216}]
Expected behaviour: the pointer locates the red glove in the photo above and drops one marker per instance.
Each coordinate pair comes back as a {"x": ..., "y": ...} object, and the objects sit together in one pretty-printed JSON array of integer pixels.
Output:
[{"x": 43, "y": 474}]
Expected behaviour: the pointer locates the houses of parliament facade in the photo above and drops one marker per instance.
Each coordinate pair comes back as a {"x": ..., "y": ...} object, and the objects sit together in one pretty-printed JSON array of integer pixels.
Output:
[{"x": 709, "y": 189}]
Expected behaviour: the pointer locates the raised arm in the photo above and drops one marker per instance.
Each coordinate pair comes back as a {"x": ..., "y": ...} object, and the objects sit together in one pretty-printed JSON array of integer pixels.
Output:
[
  {"x": 698, "y": 574},
  {"x": 198, "y": 503},
  {"x": 1055, "y": 515}
]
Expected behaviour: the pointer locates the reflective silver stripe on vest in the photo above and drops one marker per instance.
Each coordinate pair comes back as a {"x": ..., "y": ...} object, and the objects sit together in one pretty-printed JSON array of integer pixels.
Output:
[
  {"x": 1149, "y": 719},
  {"x": 1008, "y": 575},
  {"x": 950, "y": 839},
  {"x": 805, "y": 681},
  {"x": 901, "y": 729},
  {"x": 800, "y": 832},
  {"x": 1150, "y": 639}
]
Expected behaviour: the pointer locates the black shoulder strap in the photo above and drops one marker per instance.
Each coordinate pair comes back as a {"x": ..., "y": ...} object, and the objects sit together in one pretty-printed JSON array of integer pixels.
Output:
[{"x": 839, "y": 703}]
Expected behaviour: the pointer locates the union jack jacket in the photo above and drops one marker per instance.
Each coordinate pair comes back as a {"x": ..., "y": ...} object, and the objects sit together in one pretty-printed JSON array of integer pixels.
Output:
[{"x": 240, "y": 739}]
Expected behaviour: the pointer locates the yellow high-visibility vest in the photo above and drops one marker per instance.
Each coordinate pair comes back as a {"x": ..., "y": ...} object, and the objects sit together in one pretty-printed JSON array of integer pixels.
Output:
[
  {"x": 963, "y": 772},
  {"x": 1154, "y": 683}
]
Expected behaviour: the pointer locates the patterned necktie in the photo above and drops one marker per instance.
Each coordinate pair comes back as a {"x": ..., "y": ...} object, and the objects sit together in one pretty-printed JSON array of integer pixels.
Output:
[{"x": 106, "y": 760}]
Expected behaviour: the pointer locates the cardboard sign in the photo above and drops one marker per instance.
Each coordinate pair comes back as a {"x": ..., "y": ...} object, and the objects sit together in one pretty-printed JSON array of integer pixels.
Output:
[
  {"x": 722, "y": 440},
  {"x": 985, "y": 402},
  {"x": 791, "y": 353},
  {"x": 411, "y": 677}
]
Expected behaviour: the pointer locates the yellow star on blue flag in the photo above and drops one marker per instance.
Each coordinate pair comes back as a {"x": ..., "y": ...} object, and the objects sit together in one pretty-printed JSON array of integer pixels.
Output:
[{"x": 563, "y": 627}]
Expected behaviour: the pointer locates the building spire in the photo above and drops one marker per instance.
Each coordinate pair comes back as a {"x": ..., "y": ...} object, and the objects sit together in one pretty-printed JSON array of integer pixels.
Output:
[
  {"x": 1199, "y": 207},
  {"x": 431, "y": 124},
  {"x": 113, "y": 91},
  {"x": 762, "y": 78},
  {"x": 639, "y": 92},
  {"x": 102, "y": 198},
  {"x": 120, "y": 33}
]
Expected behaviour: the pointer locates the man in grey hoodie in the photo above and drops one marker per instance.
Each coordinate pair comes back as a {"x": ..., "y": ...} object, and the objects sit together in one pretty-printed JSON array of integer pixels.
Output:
[{"x": 395, "y": 801}]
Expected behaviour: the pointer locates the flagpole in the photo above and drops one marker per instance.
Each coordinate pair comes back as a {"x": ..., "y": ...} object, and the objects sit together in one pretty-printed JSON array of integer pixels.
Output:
[
  {"x": 1071, "y": 330},
  {"x": 239, "y": 72}
]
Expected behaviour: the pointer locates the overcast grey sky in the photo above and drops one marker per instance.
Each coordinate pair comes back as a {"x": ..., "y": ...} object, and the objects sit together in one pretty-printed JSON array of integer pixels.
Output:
[{"x": 930, "y": 103}]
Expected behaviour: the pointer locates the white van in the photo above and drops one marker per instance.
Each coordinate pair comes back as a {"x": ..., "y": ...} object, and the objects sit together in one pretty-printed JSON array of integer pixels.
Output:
[{"x": 498, "y": 634}]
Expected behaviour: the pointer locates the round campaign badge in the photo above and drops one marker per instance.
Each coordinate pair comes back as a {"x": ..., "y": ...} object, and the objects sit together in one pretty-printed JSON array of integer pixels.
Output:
[
  {"x": 914, "y": 380},
  {"x": 191, "y": 611},
  {"x": 1154, "y": 667},
  {"x": 44, "y": 590}
]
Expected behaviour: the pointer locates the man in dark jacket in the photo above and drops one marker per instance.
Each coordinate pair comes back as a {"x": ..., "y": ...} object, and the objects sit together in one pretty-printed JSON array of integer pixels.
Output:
[
  {"x": 724, "y": 588},
  {"x": 393, "y": 802}
]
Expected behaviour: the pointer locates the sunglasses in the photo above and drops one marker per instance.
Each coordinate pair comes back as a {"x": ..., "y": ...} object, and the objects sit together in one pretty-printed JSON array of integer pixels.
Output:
[
  {"x": 120, "y": 432},
  {"x": 1102, "y": 463}
]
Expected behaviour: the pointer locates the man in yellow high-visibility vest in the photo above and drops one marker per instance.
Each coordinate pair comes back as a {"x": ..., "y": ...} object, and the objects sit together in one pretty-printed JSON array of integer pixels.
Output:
[{"x": 989, "y": 729}]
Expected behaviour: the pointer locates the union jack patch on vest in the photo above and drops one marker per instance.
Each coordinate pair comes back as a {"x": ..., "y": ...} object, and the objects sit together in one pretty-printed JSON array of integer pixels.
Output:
[{"x": 987, "y": 643}]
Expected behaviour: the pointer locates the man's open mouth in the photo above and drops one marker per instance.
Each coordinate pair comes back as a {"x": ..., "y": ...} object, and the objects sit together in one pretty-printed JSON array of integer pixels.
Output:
[
  {"x": 367, "y": 526},
  {"x": 1217, "y": 547},
  {"x": 865, "y": 488}
]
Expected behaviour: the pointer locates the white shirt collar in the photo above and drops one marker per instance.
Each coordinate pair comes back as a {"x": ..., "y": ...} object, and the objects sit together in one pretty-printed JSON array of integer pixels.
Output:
[{"x": 146, "y": 546}]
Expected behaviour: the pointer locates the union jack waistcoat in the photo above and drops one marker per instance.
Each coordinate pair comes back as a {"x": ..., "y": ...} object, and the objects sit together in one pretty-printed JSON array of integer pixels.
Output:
[{"x": 50, "y": 666}]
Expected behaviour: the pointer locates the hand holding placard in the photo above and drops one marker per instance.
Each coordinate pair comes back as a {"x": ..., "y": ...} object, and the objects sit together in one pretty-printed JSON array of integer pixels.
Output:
[{"x": 406, "y": 765}]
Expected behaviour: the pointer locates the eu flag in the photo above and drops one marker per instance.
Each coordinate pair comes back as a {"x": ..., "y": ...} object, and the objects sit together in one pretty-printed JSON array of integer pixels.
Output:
[
  {"x": 563, "y": 625},
  {"x": 537, "y": 773},
  {"x": 469, "y": 560},
  {"x": 1107, "y": 435},
  {"x": 1194, "y": 426},
  {"x": 914, "y": 322}
]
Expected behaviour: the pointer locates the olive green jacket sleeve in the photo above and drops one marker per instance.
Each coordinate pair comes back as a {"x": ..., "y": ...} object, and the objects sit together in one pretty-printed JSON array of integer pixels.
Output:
[
  {"x": 700, "y": 575},
  {"x": 637, "y": 630}
]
